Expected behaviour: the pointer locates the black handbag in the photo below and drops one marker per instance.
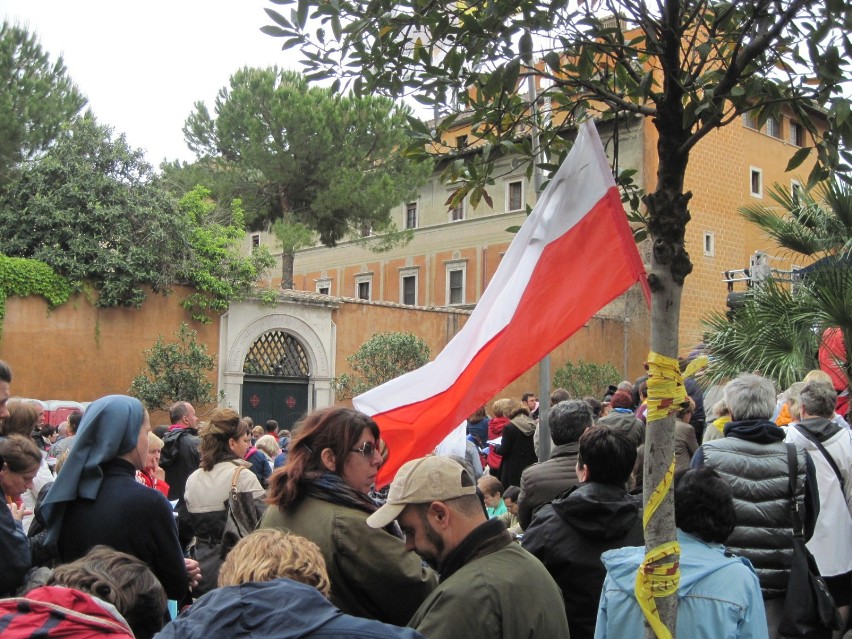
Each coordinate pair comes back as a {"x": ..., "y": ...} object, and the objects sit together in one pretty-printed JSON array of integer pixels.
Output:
[
  {"x": 809, "y": 610},
  {"x": 241, "y": 516}
]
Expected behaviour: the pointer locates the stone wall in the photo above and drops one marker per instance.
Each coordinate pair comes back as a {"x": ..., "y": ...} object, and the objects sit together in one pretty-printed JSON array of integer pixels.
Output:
[{"x": 80, "y": 352}]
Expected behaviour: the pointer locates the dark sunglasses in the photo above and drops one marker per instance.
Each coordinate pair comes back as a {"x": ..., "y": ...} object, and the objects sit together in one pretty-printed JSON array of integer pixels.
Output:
[{"x": 368, "y": 449}]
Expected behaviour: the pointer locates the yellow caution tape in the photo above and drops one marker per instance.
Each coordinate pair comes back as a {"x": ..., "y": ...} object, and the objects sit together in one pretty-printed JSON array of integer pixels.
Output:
[
  {"x": 658, "y": 580},
  {"x": 659, "y": 574},
  {"x": 659, "y": 493},
  {"x": 696, "y": 365},
  {"x": 666, "y": 391}
]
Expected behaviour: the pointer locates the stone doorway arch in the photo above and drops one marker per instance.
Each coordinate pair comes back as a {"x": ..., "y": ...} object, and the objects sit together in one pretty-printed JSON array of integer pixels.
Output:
[{"x": 282, "y": 355}]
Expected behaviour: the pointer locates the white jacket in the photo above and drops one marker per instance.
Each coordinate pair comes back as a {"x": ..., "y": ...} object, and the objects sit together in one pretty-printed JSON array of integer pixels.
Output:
[{"x": 831, "y": 544}]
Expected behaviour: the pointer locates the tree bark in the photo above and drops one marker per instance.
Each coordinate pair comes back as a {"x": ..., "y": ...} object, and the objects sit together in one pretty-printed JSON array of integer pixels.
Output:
[
  {"x": 287, "y": 260},
  {"x": 668, "y": 215}
]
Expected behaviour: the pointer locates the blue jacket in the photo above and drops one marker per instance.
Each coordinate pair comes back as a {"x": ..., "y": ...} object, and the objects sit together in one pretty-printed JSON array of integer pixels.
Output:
[
  {"x": 718, "y": 597},
  {"x": 278, "y": 609}
]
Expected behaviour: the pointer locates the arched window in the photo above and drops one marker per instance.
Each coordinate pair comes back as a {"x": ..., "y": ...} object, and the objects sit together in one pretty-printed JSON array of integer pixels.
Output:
[{"x": 276, "y": 354}]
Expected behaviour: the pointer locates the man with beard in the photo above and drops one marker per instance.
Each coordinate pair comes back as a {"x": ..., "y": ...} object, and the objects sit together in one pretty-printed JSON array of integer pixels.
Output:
[{"x": 489, "y": 586}]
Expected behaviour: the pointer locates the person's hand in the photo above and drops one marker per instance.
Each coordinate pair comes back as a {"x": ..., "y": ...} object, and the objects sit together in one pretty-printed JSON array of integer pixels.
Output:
[
  {"x": 194, "y": 572},
  {"x": 19, "y": 512}
]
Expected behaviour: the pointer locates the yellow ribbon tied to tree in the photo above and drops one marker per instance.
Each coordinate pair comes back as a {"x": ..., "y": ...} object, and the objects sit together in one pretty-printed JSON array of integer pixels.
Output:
[{"x": 659, "y": 574}]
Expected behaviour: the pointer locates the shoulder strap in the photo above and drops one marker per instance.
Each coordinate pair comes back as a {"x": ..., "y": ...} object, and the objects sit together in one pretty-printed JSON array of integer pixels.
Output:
[
  {"x": 236, "y": 474},
  {"x": 810, "y": 437},
  {"x": 792, "y": 473}
]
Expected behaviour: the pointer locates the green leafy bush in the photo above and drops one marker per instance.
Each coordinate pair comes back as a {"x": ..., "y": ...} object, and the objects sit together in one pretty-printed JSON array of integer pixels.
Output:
[
  {"x": 380, "y": 359},
  {"x": 175, "y": 371},
  {"x": 583, "y": 379},
  {"x": 22, "y": 277}
]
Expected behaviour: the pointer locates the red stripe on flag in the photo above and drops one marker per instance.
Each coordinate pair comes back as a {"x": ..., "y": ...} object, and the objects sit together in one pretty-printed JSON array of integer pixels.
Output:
[{"x": 576, "y": 275}]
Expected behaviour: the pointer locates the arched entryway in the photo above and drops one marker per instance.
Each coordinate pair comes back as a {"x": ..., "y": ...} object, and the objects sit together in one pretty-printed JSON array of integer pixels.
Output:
[
  {"x": 277, "y": 364},
  {"x": 276, "y": 378}
]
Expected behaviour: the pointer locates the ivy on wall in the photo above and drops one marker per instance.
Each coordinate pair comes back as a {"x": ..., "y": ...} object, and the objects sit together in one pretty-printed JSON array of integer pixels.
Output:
[{"x": 21, "y": 277}]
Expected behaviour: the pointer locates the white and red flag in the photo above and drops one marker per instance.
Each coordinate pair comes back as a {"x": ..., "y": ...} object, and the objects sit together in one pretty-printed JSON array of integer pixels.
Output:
[{"x": 573, "y": 255}]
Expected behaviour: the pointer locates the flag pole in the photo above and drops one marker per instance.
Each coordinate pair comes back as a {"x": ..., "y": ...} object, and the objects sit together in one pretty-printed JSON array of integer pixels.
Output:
[{"x": 544, "y": 441}]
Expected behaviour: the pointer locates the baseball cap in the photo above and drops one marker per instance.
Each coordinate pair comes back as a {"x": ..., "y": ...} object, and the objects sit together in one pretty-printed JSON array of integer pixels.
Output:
[{"x": 421, "y": 481}]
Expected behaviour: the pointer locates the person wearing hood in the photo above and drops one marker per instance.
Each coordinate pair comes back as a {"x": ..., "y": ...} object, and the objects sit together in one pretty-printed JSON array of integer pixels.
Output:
[
  {"x": 517, "y": 446},
  {"x": 106, "y": 593},
  {"x": 621, "y": 419},
  {"x": 96, "y": 499},
  {"x": 718, "y": 593},
  {"x": 752, "y": 457},
  {"x": 830, "y": 447},
  {"x": 569, "y": 534},
  {"x": 274, "y": 585}
]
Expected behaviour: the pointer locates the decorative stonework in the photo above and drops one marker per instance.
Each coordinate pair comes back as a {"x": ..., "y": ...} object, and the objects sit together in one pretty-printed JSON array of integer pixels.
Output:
[{"x": 301, "y": 330}]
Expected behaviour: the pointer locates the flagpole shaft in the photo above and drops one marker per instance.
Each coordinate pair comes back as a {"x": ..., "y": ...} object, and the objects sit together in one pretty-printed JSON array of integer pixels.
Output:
[{"x": 544, "y": 440}]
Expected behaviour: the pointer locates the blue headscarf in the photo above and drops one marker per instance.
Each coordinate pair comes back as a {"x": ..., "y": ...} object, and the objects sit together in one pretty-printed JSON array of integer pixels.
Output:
[{"x": 109, "y": 428}]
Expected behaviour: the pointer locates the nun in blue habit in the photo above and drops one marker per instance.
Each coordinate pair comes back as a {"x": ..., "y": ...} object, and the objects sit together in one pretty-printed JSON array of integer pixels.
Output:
[{"x": 96, "y": 498}]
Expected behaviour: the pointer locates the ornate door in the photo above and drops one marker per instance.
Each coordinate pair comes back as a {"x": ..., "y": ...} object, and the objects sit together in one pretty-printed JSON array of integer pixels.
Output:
[{"x": 276, "y": 380}]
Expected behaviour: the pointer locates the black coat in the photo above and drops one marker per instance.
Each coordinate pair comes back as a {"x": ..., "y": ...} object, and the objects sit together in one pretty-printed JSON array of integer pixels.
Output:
[
  {"x": 180, "y": 458},
  {"x": 129, "y": 517},
  {"x": 518, "y": 451},
  {"x": 569, "y": 535}
]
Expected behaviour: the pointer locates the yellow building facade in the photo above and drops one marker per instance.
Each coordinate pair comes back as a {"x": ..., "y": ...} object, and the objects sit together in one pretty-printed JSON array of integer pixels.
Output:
[{"x": 454, "y": 252}]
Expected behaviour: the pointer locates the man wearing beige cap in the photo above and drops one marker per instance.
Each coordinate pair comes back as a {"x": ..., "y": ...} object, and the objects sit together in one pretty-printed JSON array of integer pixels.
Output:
[{"x": 489, "y": 586}]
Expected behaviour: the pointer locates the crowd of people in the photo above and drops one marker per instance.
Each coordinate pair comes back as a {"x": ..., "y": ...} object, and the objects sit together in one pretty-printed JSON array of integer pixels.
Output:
[{"x": 113, "y": 529}]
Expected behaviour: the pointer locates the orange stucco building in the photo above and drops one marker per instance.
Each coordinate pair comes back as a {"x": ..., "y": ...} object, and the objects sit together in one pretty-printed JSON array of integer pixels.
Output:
[{"x": 454, "y": 252}]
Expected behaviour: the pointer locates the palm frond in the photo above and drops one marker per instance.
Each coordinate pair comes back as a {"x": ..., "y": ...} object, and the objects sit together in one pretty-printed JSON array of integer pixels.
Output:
[
  {"x": 773, "y": 333},
  {"x": 837, "y": 195},
  {"x": 787, "y": 232}
]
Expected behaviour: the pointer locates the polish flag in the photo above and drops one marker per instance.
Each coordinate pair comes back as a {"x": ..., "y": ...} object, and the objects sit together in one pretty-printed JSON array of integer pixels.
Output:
[{"x": 573, "y": 255}]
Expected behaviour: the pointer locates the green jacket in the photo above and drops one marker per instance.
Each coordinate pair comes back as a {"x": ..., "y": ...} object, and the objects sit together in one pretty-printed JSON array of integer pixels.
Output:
[
  {"x": 371, "y": 573},
  {"x": 500, "y": 592}
]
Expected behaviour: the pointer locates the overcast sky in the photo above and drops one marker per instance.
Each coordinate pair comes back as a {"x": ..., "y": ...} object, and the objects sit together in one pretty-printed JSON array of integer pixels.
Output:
[{"x": 142, "y": 65}]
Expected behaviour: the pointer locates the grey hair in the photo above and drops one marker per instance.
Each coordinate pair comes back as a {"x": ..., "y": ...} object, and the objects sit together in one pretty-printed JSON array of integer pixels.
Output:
[
  {"x": 750, "y": 396},
  {"x": 818, "y": 399},
  {"x": 568, "y": 420}
]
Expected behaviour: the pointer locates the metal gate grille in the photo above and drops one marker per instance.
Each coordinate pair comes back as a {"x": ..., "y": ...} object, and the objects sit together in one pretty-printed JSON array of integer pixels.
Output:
[{"x": 276, "y": 354}]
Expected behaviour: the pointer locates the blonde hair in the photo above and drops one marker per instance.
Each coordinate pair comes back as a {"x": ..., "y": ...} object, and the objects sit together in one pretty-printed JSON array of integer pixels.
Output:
[
  {"x": 60, "y": 460},
  {"x": 269, "y": 554},
  {"x": 818, "y": 375},
  {"x": 269, "y": 445},
  {"x": 154, "y": 441},
  {"x": 257, "y": 431},
  {"x": 490, "y": 485},
  {"x": 500, "y": 406}
]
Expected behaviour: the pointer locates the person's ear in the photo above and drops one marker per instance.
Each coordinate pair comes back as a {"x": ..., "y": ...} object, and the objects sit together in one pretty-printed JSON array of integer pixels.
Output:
[
  {"x": 582, "y": 473},
  {"x": 439, "y": 515},
  {"x": 328, "y": 459}
]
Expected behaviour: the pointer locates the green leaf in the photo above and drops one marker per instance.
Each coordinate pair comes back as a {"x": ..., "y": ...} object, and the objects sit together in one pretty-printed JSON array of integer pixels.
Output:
[
  {"x": 278, "y": 18},
  {"x": 798, "y": 157},
  {"x": 275, "y": 32},
  {"x": 553, "y": 60},
  {"x": 302, "y": 13}
]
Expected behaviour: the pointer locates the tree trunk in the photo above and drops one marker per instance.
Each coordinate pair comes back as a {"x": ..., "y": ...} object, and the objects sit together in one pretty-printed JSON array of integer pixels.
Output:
[
  {"x": 668, "y": 215},
  {"x": 287, "y": 259},
  {"x": 659, "y": 435}
]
